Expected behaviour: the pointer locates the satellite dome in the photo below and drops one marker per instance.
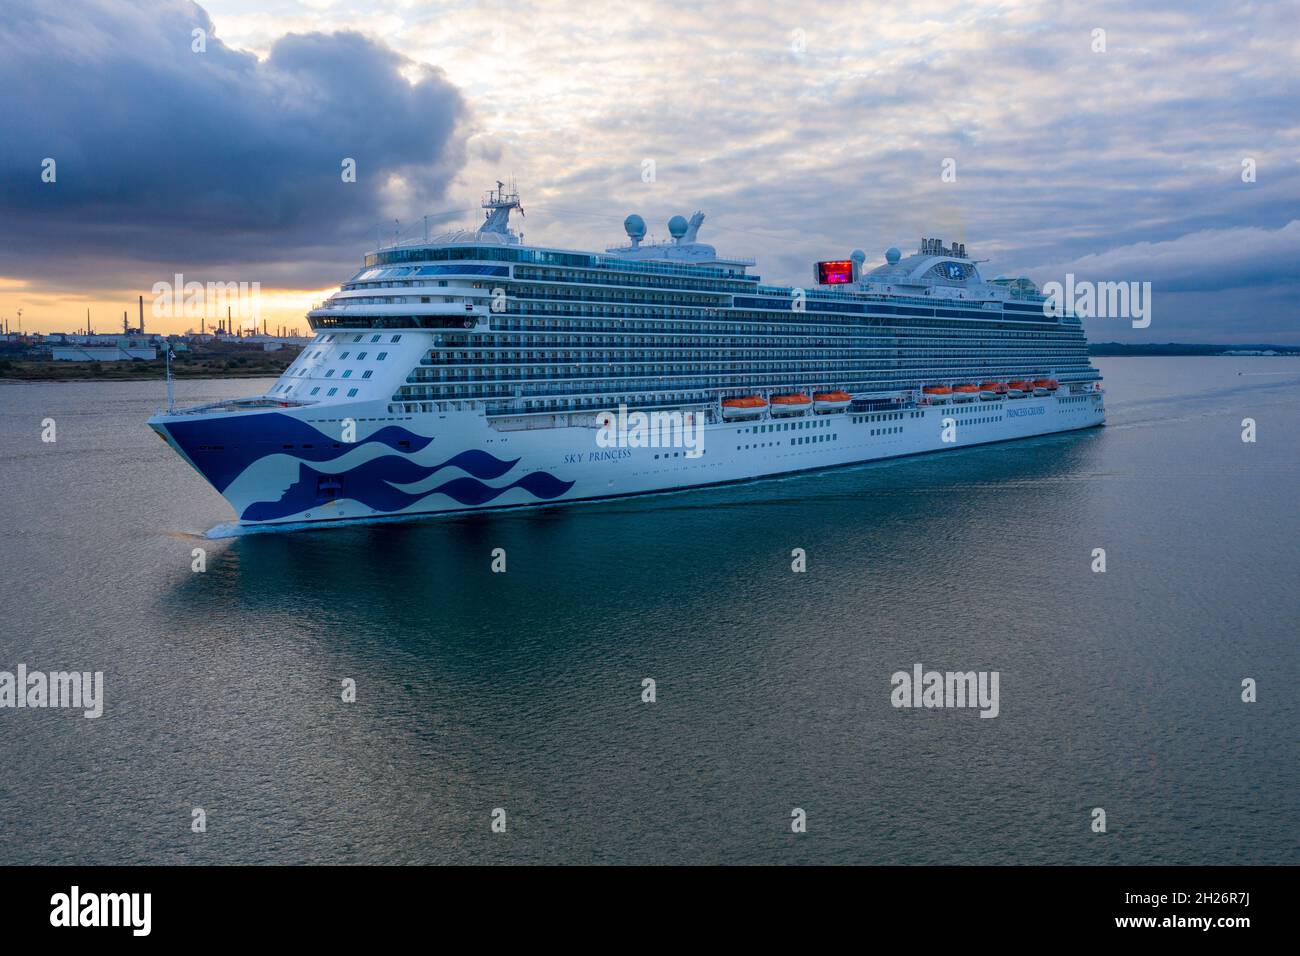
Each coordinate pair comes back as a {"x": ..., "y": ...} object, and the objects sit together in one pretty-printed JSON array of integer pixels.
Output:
[
  {"x": 634, "y": 225},
  {"x": 858, "y": 256},
  {"x": 892, "y": 255},
  {"x": 677, "y": 226}
]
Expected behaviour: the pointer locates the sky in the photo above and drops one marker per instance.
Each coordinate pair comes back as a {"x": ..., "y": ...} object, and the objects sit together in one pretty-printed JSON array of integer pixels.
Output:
[{"x": 1107, "y": 140}]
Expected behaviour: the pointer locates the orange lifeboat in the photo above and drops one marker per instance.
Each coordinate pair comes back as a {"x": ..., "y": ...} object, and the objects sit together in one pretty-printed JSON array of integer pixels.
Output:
[
  {"x": 1045, "y": 386},
  {"x": 831, "y": 401},
  {"x": 1019, "y": 389},
  {"x": 749, "y": 406},
  {"x": 991, "y": 391},
  {"x": 937, "y": 394},
  {"x": 965, "y": 393},
  {"x": 791, "y": 404}
]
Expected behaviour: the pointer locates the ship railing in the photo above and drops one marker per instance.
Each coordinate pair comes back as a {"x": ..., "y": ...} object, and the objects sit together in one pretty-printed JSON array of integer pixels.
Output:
[{"x": 240, "y": 405}]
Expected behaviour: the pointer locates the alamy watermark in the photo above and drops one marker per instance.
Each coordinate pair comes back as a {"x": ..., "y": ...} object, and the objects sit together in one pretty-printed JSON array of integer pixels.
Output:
[
  {"x": 923, "y": 688},
  {"x": 1099, "y": 300},
  {"x": 130, "y": 910},
  {"x": 195, "y": 300},
  {"x": 74, "y": 690},
  {"x": 671, "y": 429}
]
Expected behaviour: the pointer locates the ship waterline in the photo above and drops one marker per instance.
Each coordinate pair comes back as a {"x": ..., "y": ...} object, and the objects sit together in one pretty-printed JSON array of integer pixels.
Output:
[{"x": 473, "y": 371}]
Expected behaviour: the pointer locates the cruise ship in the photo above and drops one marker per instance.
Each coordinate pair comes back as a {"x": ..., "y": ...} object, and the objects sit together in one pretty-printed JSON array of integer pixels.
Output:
[{"x": 472, "y": 371}]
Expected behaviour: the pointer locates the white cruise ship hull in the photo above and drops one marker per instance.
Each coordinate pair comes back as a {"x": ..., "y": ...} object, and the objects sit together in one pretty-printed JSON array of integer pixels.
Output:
[
  {"x": 292, "y": 464},
  {"x": 470, "y": 371}
]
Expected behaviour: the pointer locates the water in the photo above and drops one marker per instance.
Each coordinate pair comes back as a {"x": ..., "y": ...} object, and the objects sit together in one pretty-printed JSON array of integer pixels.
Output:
[{"x": 522, "y": 690}]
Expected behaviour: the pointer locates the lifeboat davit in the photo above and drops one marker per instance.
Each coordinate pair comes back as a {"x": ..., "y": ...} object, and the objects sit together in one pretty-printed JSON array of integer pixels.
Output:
[
  {"x": 1019, "y": 389},
  {"x": 991, "y": 391},
  {"x": 750, "y": 406},
  {"x": 790, "y": 404},
  {"x": 937, "y": 394},
  {"x": 831, "y": 401},
  {"x": 965, "y": 393}
]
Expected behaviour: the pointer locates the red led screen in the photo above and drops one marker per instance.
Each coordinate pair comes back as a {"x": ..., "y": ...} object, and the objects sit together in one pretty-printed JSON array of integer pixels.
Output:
[{"x": 835, "y": 272}]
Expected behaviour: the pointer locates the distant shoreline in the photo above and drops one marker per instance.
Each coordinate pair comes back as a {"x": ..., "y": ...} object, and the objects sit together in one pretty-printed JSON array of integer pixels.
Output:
[
  {"x": 1115, "y": 349},
  {"x": 9, "y": 379},
  {"x": 19, "y": 370}
]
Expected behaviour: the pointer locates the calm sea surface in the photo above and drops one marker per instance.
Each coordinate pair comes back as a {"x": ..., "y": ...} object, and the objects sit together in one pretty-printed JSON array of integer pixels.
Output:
[{"x": 522, "y": 690}]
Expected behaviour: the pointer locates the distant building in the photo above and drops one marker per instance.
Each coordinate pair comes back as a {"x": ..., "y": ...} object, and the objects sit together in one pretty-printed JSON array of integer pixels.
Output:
[
  {"x": 101, "y": 353},
  {"x": 271, "y": 343},
  {"x": 109, "y": 339}
]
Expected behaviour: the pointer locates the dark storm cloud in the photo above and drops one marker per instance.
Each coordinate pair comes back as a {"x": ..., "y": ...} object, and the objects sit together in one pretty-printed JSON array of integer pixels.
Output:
[{"x": 168, "y": 156}]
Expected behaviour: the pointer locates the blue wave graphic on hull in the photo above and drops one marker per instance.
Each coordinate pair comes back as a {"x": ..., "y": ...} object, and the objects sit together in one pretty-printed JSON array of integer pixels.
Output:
[
  {"x": 371, "y": 484},
  {"x": 478, "y": 463},
  {"x": 222, "y": 448}
]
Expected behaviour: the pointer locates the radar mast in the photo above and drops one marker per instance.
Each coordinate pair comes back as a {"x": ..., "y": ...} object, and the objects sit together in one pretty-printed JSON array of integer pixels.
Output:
[{"x": 498, "y": 203}]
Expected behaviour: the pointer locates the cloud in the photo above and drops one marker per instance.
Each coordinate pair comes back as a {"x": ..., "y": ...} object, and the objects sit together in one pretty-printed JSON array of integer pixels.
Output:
[
  {"x": 1215, "y": 285},
  {"x": 1210, "y": 260},
  {"x": 168, "y": 157},
  {"x": 1061, "y": 152},
  {"x": 802, "y": 132}
]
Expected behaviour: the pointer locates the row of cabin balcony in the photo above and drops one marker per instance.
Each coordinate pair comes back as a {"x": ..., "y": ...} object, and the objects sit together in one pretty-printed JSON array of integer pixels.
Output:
[
  {"x": 470, "y": 361},
  {"x": 518, "y": 303},
  {"x": 512, "y": 321},
  {"x": 515, "y": 318},
  {"x": 487, "y": 355},
  {"x": 692, "y": 337},
  {"x": 740, "y": 377}
]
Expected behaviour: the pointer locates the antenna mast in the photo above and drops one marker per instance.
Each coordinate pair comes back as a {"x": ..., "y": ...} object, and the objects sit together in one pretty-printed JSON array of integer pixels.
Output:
[
  {"x": 171, "y": 397},
  {"x": 498, "y": 204}
]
